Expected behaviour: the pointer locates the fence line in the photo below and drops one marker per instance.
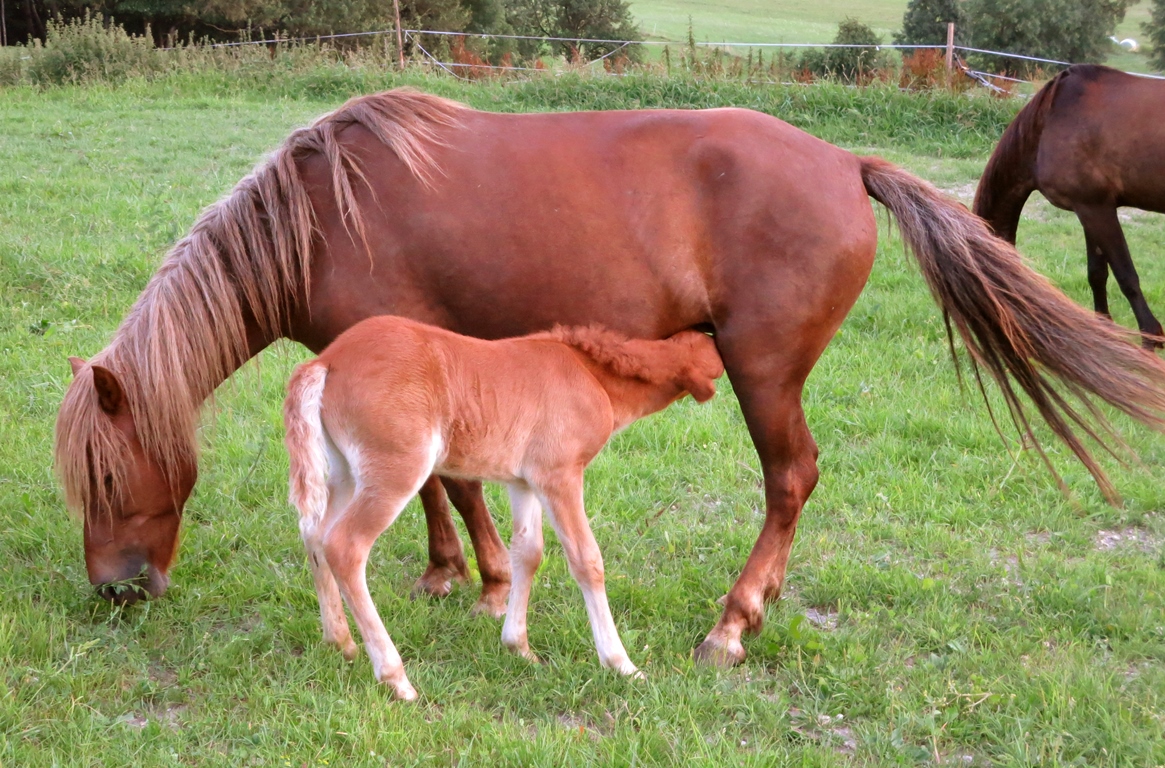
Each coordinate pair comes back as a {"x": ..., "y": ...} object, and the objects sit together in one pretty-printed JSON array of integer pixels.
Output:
[{"x": 413, "y": 33}]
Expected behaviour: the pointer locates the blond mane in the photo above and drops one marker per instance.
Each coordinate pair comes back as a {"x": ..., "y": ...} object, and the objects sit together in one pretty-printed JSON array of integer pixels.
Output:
[
  {"x": 249, "y": 251},
  {"x": 630, "y": 358}
]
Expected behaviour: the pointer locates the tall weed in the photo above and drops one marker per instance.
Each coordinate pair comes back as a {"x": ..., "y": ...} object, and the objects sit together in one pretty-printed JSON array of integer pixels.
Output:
[{"x": 90, "y": 49}]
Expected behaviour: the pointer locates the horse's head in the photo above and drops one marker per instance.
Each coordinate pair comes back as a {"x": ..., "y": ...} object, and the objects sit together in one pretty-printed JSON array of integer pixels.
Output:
[
  {"x": 132, "y": 504},
  {"x": 701, "y": 366}
]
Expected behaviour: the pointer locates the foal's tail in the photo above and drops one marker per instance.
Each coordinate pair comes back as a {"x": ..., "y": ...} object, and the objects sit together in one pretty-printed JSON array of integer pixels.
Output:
[
  {"x": 306, "y": 444},
  {"x": 1016, "y": 324},
  {"x": 1010, "y": 175}
]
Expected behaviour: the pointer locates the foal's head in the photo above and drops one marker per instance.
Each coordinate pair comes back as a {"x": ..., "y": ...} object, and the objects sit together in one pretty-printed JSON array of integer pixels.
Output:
[
  {"x": 698, "y": 363},
  {"x": 132, "y": 505}
]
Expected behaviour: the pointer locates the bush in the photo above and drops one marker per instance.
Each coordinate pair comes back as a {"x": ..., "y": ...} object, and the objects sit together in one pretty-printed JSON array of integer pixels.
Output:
[
  {"x": 90, "y": 49},
  {"x": 849, "y": 65},
  {"x": 1075, "y": 31},
  {"x": 1154, "y": 29}
]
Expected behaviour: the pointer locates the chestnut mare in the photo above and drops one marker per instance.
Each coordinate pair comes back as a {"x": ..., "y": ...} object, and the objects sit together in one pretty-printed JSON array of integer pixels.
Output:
[
  {"x": 496, "y": 225},
  {"x": 392, "y": 401},
  {"x": 1092, "y": 140}
]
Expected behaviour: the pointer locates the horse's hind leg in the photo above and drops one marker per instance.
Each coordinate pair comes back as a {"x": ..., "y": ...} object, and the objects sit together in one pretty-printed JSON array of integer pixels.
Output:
[
  {"x": 349, "y": 536},
  {"x": 336, "y": 630},
  {"x": 446, "y": 557},
  {"x": 1103, "y": 233},
  {"x": 493, "y": 561}
]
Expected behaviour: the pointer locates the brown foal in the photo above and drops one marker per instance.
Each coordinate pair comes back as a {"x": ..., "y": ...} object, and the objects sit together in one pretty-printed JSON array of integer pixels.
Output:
[{"x": 392, "y": 401}]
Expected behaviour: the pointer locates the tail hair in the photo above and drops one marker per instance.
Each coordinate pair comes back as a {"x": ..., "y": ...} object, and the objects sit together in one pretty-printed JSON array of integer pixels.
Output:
[
  {"x": 306, "y": 443},
  {"x": 1028, "y": 335}
]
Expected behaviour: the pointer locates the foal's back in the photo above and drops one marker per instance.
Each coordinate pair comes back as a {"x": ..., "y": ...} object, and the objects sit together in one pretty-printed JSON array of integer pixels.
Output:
[{"x": 480, "y": 407}]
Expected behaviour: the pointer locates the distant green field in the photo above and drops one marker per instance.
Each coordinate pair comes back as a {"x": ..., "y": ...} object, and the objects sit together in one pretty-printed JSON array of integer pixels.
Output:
[{"x": 811, "y": 21}]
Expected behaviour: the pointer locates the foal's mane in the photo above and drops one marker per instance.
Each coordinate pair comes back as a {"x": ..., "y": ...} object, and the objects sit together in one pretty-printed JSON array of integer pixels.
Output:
[
  {"x": 248, "y": 253},
  {"x": 629, "y": 358}
]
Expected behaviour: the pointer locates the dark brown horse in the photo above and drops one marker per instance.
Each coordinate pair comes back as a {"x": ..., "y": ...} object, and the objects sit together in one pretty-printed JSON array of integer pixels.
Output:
[
  {"x": 498, "y": 225},
  {"x": 1092, "y": 140}
]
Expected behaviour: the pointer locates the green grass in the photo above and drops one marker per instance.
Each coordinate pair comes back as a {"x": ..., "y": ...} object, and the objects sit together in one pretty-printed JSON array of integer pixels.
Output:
[{"x": 944, "y": 598}]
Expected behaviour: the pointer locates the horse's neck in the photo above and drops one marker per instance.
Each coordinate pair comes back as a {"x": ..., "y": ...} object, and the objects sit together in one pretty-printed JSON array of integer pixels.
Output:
[{"x": 632, "y": 399}]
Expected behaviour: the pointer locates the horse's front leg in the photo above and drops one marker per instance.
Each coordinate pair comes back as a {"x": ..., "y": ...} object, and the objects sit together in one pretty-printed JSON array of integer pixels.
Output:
[
  {"x": 446, "y": 557},
  {"x": 1102, "y": 231}
]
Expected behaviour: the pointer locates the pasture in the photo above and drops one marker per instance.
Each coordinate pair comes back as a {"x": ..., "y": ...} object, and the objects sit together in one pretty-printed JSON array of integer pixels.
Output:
[
  {"x": 946, "y": 603},
  {"x": 806, "y": 21}
]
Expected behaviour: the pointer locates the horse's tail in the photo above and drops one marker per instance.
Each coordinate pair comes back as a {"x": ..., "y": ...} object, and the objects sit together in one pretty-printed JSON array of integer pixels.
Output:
[
  {"x": 1010, "y": 175},
  {"x": 1016, "y": 324},
  {"x": 306, "y": 443}
]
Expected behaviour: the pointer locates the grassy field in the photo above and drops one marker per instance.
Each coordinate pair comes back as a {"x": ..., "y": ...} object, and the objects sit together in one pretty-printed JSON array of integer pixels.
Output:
[
  {"x": 809, "y": 21},
  {"x": 945, "y": 604}
]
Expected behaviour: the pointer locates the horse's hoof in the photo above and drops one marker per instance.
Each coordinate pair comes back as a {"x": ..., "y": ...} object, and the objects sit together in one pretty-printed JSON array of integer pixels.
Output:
[
  {"x": 714, "y": 653},
  {"x": 349, "y": 650},
  {"x": 404, "y": 691},
  {"x": 492, "y": 603},
  {"x": 437, "y": 581}
]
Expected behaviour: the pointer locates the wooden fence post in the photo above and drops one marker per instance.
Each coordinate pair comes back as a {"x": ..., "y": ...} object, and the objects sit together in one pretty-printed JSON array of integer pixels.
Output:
[
  {"x": 400, "y": 42},
  {"x": 950, "y": 45}
]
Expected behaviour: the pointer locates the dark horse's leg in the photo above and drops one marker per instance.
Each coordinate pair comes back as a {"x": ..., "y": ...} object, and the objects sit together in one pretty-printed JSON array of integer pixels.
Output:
[
  {"x": 1102, "y": 232},
  {"x": 446, "y": 558}
]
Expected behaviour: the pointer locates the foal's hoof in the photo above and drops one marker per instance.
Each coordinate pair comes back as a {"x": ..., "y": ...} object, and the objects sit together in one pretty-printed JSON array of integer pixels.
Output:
[
  {"x": 404, "y": 691},
  {"x": 492, "y": 602},
  {"x": 717, "y": 653},
  {"x": 348, "y": 650},
  {"x": 437, "y": 580}
]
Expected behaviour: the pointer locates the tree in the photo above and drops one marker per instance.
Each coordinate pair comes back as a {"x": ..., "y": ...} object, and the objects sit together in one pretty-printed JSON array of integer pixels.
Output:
[
  {"x": 1154, "y": 29},
  {"x": 1075, "y": 31},
  {"x": 577, "y": 19},
  {"x": 925, "y": 23}
]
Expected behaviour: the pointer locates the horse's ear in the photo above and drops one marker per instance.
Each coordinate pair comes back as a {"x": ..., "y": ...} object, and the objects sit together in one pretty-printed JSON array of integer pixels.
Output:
[
  {"x": 110, "y": 396},
  {"x": 77, "y": 364},
  {"x": 698, "y": 384}
]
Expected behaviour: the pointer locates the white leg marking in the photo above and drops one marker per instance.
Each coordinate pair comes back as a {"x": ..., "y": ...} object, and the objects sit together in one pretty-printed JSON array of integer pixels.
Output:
[
  {"x": 568, "y": 517},
  {"x": 525, "y": 557}
]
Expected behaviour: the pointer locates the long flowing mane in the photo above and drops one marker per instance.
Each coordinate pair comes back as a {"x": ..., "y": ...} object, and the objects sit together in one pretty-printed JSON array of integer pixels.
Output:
[{"x": 249, "y": 252}]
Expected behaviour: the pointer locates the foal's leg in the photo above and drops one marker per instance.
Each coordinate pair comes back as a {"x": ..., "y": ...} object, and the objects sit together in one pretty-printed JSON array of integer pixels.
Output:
[
  {"x": 492, "y": 560},
  {"x": 525, "y": 557},
  {"x": 446, "y": 557},
  {"x": 564, "y": 505},
  {"x": 336, "y": 630},
  {"x": 1103, "y": 230},
  {"x": 347, "y": 541}
]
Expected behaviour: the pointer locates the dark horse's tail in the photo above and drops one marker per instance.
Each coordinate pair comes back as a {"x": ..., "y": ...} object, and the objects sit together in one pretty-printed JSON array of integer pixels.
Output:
[
  {"x": 1010, "y": 175},
  {"x": 1016, "y": 324}
]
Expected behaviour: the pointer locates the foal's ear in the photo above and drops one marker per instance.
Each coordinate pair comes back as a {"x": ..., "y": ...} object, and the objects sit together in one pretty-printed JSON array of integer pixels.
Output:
[
  {"x": 77, "y": 363},
  {"x": 110, "y": 395},
  {"x": 699, "y": 385}
]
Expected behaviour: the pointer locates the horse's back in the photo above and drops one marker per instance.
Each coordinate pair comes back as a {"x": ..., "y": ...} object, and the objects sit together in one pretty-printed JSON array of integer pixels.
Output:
[{"x": 639, "y": 218}]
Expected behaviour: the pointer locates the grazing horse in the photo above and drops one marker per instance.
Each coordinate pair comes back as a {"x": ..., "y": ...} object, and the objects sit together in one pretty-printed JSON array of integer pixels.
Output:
[
  {"x": 499, "y": 225},
  {"x": 392, "y": 401},
  {"x": 1092, "y": 140}
]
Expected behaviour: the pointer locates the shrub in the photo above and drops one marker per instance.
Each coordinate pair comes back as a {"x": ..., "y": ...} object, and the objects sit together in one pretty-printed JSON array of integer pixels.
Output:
[
  {"x": 850, "y": 65},
  {"x": 89, "y": 49}
]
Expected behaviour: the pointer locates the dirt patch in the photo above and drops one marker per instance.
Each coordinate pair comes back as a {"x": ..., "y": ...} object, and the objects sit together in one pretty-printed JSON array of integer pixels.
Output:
[
  {"x": 1130, "y": 537},
  {"x": 822, "y": 618},
  {"x": 964, "y": 193}
]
